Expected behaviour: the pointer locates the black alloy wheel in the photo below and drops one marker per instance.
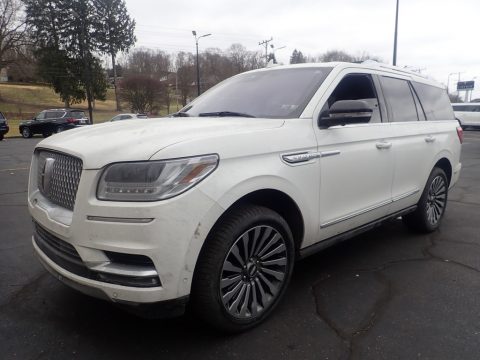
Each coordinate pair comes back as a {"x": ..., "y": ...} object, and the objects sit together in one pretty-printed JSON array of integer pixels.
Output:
[{"x": 243, "y": 269}]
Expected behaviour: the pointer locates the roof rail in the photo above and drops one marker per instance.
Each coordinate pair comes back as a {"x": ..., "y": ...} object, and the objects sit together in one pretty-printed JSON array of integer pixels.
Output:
[{"x": 392, "y": 67}]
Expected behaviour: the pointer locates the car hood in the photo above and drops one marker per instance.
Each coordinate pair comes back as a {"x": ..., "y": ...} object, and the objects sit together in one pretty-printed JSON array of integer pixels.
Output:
[{"x": 140, "y": 139}]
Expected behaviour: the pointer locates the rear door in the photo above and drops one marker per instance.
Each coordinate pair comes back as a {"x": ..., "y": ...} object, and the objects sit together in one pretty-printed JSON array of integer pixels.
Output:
[{"x": 415, "y": 141}]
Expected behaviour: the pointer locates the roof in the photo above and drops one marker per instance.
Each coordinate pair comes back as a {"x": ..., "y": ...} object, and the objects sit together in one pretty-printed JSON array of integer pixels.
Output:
[{"x": 366, "y": 65}]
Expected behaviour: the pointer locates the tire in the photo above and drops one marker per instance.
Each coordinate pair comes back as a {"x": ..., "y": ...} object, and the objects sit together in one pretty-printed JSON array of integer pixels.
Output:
[
  {"x": 1, "y": 137},
  {"x": 233, "y": 289},
  {"x": 26, "y": 133},
  {"x": 432, "y": 204},
  {"x": 45, "y": 135},
  {"x": 59, "y": 129}
]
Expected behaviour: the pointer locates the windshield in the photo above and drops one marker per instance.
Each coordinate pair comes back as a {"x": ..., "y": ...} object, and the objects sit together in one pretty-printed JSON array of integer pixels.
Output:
[{"x": 275, "y": 93}]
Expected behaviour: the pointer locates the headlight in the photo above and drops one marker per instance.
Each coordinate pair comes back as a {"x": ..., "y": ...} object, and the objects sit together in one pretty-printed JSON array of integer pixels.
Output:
[{"x": 153, "y": 180}]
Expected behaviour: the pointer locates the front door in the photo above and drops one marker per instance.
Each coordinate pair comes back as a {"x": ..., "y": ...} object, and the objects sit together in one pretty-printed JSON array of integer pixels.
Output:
[{"x": 356, "y": 166}]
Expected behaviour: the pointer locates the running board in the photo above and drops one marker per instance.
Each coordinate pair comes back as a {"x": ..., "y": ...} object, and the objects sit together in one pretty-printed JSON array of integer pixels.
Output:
[{"x": 312, "y": 249}]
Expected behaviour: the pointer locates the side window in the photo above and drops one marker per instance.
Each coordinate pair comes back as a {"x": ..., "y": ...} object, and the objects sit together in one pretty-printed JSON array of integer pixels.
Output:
[
  {"x": 50, "y": 115},
  {"x": 399, "y": 99},
  {"x": 41, "y": 116},
  {"x": 434, "y": 101},
  {"x": 356, "y": 87},
  {"x": 420, "y": 112},
  {"x": 1, "y": 116}
]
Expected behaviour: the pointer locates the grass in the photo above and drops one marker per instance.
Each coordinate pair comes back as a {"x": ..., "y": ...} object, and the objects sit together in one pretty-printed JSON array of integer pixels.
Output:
[{"x": 20, "y": 102}]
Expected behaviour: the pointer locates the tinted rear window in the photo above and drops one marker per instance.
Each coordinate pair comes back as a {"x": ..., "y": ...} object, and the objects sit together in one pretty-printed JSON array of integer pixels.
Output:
[
  {"x": 466, "y": 108},
  {"x": 77, "y": 114},
  {"x": 435, "y": 102},
  {"x": 399, "y": 99}
]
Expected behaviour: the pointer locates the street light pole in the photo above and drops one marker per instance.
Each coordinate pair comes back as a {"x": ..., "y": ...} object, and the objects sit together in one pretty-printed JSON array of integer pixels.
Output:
[
  {"x": 198, "y": 65},
  {"x": 395, "y": 37}
]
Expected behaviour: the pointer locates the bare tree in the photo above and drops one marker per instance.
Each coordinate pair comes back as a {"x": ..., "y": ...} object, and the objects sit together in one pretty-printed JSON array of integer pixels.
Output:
[
  {"x": 13, "y": 31},
  {"x": 156, "y": 64},
  {"x": 185, "y": 66},
  {"x": 142, "y": 93}
]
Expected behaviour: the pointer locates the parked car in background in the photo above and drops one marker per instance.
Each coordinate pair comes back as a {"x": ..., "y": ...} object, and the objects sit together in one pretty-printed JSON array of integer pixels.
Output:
[
  {"x": 468, "y": 114},
  {"x": 129, "y": 117},
  {"x": 3, "y": 126},
  {"x": 53, "y": 121}
]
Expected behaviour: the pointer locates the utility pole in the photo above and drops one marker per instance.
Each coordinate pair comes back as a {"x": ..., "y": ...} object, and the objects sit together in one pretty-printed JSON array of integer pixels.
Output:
[
  {"x": 395, "y": 38},
  {"x": 265, "y": 43}
]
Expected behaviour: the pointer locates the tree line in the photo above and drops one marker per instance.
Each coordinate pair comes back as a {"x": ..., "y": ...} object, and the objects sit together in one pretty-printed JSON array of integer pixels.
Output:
[{"x": 61, "y": 42}]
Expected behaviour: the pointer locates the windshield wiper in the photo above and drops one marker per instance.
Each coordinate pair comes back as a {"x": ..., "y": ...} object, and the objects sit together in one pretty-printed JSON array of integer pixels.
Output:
[
  {"x": 225, "y": 114},
  {"x": 180, "y": 114}
]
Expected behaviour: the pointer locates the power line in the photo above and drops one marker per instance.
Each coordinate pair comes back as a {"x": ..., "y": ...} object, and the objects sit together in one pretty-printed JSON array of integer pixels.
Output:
[{"x": 265, "y": 43}]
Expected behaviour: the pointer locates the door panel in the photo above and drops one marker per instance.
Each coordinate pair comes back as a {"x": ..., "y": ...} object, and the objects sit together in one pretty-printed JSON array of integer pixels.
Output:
[
  {"x": 356, "y": 177},
  {"x": 356, "y": 183}
]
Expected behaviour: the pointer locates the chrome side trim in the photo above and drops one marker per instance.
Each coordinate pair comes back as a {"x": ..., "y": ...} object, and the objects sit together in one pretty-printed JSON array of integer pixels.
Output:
[
  {"x": 368, "y": 209},
  {"x": 300, "y": 157},
  {"x": 120, "y": 220},
  {"x": 355, "y": 214},
  {"x": 312, "y": 249},
  {"x": 403, "y": 196},
  {"x": 330, "y": 153},
  {"x": 123, "y": 270}
]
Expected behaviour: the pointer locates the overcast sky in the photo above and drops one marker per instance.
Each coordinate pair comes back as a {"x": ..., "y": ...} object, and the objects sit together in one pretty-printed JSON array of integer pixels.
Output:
[{"x": 437, "y": 36}]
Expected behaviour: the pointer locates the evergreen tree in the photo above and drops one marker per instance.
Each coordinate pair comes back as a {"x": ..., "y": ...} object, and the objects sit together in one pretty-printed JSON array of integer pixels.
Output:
[
  {"x": 116, "y": 34},
  {"x": 297, "y": 57},
  {"x": 67, "y": 37}
]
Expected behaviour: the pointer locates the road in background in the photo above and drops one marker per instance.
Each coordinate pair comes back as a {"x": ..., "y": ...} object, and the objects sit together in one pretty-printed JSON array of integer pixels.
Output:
[{"x": 387, "y": 294}]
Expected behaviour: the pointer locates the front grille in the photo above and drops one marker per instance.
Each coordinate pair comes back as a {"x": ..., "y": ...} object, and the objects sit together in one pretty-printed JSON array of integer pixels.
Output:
[{"x": 58, "y": 180}]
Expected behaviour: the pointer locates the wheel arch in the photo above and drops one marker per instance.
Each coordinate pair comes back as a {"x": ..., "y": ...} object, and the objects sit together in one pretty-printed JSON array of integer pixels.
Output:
[{"x": 446, "y": 166}]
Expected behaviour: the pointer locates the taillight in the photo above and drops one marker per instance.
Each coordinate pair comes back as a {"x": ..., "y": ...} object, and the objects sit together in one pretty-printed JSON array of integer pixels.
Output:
[
  {"x": 71, "y": 120},
  {"x": 460, "y": 134}
]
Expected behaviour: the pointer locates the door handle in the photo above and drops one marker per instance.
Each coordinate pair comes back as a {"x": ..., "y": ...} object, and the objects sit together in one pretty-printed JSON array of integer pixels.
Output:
[
  {"x": 430, "y": 139},
  {"x": 383, "y": 145}
]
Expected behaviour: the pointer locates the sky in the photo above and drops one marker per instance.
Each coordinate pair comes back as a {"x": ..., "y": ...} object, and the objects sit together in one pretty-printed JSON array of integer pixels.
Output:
[{"x": 438, "y": 37}]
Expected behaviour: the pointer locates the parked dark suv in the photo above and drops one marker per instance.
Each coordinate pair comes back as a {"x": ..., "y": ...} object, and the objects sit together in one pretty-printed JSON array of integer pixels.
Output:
[
  {"x": 53, "y": 121},
  {"x": 3, "y": 126}
]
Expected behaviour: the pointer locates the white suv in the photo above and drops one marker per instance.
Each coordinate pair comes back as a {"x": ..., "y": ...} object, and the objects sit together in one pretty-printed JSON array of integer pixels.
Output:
[
  {"x": 468, "y": 114},
  {"x": 212, "y": 206}
]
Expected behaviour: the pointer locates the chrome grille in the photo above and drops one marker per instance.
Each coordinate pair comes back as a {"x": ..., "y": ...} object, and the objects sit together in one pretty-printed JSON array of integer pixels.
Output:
[{"x": 58, "y": 180}]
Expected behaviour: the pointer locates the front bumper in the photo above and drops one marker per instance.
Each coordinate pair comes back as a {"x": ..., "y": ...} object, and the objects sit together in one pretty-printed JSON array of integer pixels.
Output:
[{"x": 171, "y": 239}]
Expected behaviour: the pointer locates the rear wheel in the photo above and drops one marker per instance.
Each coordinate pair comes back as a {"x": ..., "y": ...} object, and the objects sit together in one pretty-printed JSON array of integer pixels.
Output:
[
  {"x": 26, "y": 133},
  {"x": 46, "y": 134},
  {"x": 432, "y": 204},
  {"x": 1, "y": 137},
  {"x": 243, "y": 269},
  {"x": 59, "y": 129}
]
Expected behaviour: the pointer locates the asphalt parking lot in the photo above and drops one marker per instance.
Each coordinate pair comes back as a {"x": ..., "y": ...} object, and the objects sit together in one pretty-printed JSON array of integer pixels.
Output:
[{"x": 387, "y": 294}]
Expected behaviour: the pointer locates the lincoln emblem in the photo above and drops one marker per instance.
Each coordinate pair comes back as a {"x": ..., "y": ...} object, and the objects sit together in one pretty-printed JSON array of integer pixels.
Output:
[{"x": 46, "y": 175}]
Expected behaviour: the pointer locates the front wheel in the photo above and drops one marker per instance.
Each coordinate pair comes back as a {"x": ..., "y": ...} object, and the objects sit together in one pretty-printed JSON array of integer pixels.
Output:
[
  {"x": 1, "y": 137},
  {"x": 243, "y": 269},
  {"x": 26, "y": 133},
  {"x": 431, "y": 206}
]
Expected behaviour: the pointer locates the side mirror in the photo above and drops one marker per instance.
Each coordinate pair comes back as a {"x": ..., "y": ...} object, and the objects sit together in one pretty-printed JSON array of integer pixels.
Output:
[{"x": 344, "y": 112}]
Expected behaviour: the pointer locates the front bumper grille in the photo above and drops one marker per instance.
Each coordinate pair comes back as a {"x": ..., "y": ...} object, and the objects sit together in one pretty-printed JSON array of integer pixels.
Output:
[
  {"x": 58, "y": 177},
  {"x": 64, "y": 255}
]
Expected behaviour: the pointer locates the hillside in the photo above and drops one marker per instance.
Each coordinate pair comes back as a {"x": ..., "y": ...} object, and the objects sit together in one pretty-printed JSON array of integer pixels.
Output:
[{"x": 21, "y": 102}]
